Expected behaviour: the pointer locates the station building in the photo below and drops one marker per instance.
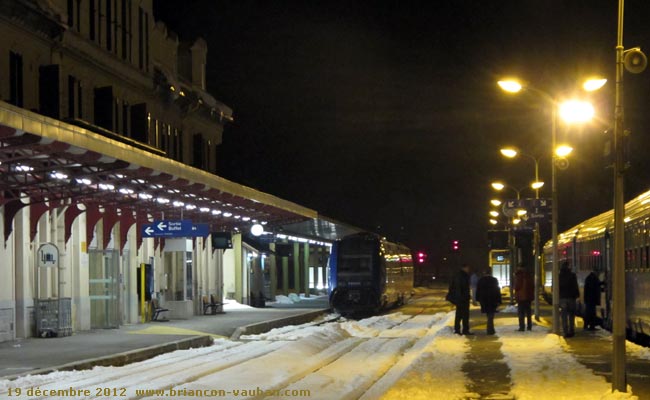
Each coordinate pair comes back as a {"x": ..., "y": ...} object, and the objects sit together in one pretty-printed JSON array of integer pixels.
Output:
[{"x": 107, "y": 133}]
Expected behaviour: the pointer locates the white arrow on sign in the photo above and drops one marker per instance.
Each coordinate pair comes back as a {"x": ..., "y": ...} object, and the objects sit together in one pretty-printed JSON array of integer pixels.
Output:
[
  {"x": 148, "y": 230},
  {"x": 161, "y": 226}
]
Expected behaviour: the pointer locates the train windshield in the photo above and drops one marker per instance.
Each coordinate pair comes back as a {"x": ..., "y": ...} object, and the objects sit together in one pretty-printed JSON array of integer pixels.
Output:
[{"x": 356, "y": 255}]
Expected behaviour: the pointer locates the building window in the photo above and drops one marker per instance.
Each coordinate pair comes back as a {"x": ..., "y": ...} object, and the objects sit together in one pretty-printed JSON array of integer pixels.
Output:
[
  {"x": 72, "y": 83},
  {"x": 140, "y": 38},
  {"x": 15, "y": 79},
  {"x": 109, "y": 25},
  {"x": 177, "y": 145},
  {"x": 197, "y": 151},
  {"x": 125, "y": 119},
  {"x": 91, "y": 19},
  {"x": 99, "y": 21},
  {"x": 70, "y": 13},
  {"x": 124, "y": 25}
]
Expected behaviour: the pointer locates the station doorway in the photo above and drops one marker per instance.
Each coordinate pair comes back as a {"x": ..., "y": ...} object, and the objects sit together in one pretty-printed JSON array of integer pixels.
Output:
[{"x": 104, "y": 288}]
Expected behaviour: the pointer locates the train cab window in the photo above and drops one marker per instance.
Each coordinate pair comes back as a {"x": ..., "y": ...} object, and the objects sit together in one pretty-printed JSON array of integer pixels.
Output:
[{"x": 356, "y": 256}]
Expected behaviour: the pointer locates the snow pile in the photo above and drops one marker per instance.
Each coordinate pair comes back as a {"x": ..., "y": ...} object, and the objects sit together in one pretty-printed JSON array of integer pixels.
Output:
[
  {"x": 293, "y": 298},
  {"x": 631, "y": 349},
  {"x": 234, "y": 305},
  {"x": 432, "y": 355},
  {"x": 128, "y": 374},
  {"x": 293, "y": 332},
  {"x": 297, "y": 360},
  {"x": 373, "y": 326},
  {"x": 415, "y": 327},
  {"x": 541, "y": 369},
  {"x": 436, "y": 373},
  {"x": 281, "y": 299},
  {"x": 352, "y": 374},
  {"x": 510, "y": 308}
]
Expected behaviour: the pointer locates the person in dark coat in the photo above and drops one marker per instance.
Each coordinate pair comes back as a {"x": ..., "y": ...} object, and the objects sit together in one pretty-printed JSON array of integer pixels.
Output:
[
  {"x": 591, "y": 299},
  {"x": 459, "y": 295},
  {"x": 488, "y": 293},
  {"x": 569, "y": 292},
  {"x": 524, "y": 294}
]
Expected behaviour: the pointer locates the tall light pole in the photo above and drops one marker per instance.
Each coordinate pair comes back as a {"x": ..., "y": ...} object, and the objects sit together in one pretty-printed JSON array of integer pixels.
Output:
[
  {"x": 619, "y": 381},
  {"x": 572, "y": 111}
]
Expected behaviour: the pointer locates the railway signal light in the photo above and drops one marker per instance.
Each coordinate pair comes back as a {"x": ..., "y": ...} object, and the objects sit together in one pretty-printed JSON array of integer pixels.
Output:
[
  {"x": 455, "y": 245},
  {"x": 421, "y": 257}
]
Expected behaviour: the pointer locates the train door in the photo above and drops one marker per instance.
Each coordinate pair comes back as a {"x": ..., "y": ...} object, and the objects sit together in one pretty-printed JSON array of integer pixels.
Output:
[{"x": 607, "y": 273}]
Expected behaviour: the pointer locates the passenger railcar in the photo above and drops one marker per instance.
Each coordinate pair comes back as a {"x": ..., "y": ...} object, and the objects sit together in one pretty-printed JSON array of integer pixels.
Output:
[
  {"x": 589, "y": 247},
  {"x": 368, "y": 273}
]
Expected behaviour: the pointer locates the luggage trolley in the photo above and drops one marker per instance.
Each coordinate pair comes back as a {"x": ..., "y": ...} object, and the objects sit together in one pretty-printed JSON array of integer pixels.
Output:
[{"x": 53, "y": 315}]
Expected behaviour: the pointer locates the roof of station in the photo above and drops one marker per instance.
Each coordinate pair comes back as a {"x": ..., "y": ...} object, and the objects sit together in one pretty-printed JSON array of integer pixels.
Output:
[
  {"x": 46, "y": 163},
  {"x": 321, "y": 228}
]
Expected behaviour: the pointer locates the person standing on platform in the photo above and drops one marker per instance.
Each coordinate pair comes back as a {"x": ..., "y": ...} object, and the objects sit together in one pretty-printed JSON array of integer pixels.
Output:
[
  {"x": 569, "y": 292},
  {"x": 488, "y": 294},
  {"x": 459, "y": 296},
  {"x": 591, "y": 299},
  {"x": 524, "y": 294}
]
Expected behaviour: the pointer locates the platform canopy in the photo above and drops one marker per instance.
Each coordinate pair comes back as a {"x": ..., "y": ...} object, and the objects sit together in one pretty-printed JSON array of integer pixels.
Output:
[
  {"x": 47, "y": 164},
  {"x": 322, "y": 228}
]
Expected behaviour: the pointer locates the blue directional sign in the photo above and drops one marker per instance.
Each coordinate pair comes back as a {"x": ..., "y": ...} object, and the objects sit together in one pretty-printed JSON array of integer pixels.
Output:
[
  {"x": 526, "y": 204},
  {"x": 537, "y": 210},
  {"x": 182, "y": 228}
]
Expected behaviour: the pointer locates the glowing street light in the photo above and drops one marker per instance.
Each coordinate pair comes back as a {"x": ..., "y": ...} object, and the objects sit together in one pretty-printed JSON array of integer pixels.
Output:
[
  {"x": 537, "y": 185},
  {"x": 494, "y": 213},
  {"x": 563, "y": 150},
  {"x": 576, "y": 111},
  {"x": 498, "y": 185},
  {"x": 493, "y": 221},
  {"x": 495, "y": 202},
  {"x": 509, "y": 152},
  {"x": 510, "y": 86},
  {"x": 593, "y": 84}
]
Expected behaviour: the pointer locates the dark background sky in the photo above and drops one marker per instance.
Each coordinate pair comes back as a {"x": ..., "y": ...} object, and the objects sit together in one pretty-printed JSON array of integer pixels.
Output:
[{"x": 386, "y": 115}]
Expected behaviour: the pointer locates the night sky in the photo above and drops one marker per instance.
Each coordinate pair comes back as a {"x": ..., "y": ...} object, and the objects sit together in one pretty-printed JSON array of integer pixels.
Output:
[{"x": 386, "y": 114}]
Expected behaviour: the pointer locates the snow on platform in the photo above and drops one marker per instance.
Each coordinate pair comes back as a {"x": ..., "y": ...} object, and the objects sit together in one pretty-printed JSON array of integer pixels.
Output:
[{"x": 393, "y": 356}]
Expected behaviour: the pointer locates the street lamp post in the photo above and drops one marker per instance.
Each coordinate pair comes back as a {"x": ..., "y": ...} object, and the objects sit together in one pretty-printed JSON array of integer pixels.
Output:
[
  {"x": 572, "y": 111},
  {"x": 618, "y": 274}
]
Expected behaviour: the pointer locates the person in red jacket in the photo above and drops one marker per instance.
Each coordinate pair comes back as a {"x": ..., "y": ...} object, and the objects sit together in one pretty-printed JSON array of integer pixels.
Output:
[{"x": 524, "y": 294}]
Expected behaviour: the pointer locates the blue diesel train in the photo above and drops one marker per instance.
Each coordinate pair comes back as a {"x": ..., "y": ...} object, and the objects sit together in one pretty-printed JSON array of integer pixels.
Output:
[
  {"x": 588, "y": 247},
  {"x": 368, "y": 273}
]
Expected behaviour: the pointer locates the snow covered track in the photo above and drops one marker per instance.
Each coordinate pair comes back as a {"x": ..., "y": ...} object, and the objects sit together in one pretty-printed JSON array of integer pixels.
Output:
[{"x": 392, "y": 356}]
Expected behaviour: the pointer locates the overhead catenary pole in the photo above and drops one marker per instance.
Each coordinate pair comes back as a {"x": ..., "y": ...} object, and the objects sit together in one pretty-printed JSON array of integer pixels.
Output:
[
  {"x": 555, "y": 271},
  {"x": 618, "y": 274}
]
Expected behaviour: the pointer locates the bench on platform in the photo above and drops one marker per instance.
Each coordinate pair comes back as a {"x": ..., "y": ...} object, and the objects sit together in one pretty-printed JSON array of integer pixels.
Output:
[
  {"x": 210, "y": 305},
  {"x": 156, "y": 309}
]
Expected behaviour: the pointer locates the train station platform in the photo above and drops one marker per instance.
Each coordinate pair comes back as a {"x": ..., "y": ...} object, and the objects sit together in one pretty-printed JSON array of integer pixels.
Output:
[{"x": 135, "y": 342}]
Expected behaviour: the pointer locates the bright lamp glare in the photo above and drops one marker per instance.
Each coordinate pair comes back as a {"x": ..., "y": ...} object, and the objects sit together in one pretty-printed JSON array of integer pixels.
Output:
[
  {"x": 522, "y": 212},
  {"x": 494, "y": 213},
  {"x": 594, "y": 84},
  {"x": 537, "y": 185},
  {"x": 576, "y": 111},
  {"x": 509, "y": 152},
  {"x": 563, "y": 151},
  {"x": 495, "y": 202},
  {"x": 498, "y": 185},
  {"x": 493, "y": 221},
  {"x": 510, "y": 86},
  {"x": 516, "y": 221}
]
